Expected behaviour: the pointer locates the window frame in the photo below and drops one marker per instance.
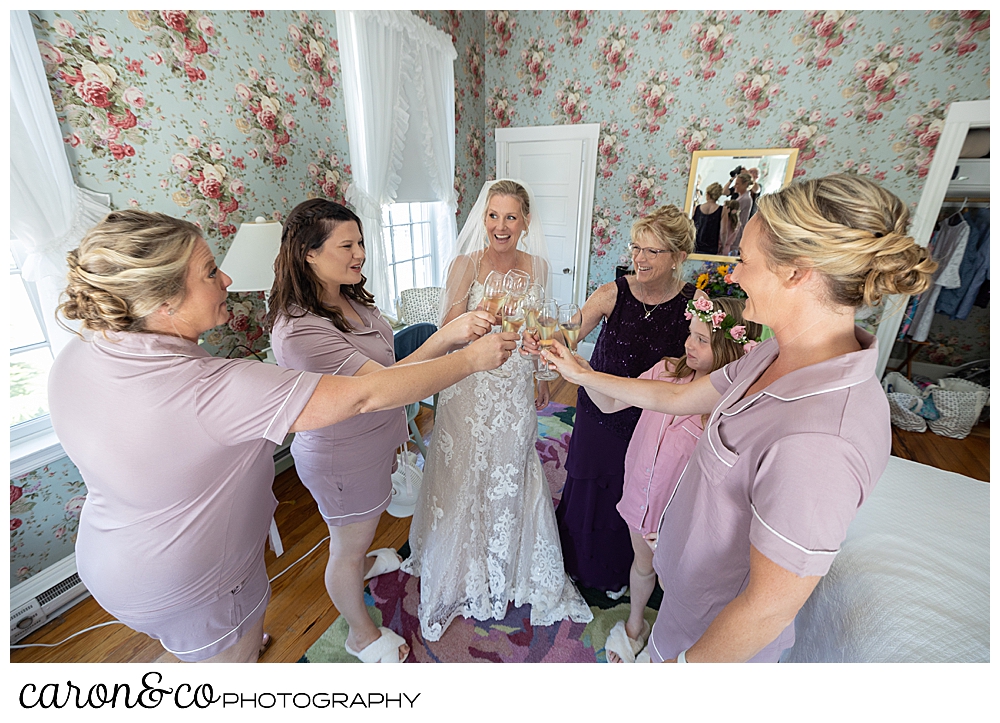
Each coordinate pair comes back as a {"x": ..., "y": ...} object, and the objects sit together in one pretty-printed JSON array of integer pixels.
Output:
[
  {"x": 389, "y": 245},
  {"x": 42, "y": 424}
]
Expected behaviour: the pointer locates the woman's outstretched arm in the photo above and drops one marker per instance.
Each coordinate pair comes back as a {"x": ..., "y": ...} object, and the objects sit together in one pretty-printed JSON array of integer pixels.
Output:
[{"x": 698, "y": 397}]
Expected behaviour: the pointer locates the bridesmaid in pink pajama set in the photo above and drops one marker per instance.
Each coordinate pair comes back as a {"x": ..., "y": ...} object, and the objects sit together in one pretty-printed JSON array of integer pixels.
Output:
[
  {"x": 175, "y": 446},
  {"x": 325, "y": 321},
  {"x": 798, "y": 429}
]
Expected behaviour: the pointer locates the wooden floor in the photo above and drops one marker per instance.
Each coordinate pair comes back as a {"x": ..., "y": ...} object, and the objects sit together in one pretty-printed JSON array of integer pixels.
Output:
[{"x": 300, "y": 610}]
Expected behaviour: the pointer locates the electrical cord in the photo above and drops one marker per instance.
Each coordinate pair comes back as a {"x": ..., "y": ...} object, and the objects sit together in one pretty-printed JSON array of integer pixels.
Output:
[{"x": 119, "y": 622}]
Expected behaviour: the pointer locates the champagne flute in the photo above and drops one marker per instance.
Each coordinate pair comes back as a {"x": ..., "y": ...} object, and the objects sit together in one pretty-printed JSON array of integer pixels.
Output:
[
  {"x": 516, "y": 283},
  {"x": 548, "y": 323},
  {"x": 493, "y": 293},
  {"x": 532, "y": 300},
  {"x": 512, "y": 315},
  {"x": 570, "y": 319}
]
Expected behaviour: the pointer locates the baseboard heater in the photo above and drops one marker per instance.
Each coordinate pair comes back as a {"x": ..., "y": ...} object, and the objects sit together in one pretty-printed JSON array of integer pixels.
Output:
[{"x": 45, "y": 596}]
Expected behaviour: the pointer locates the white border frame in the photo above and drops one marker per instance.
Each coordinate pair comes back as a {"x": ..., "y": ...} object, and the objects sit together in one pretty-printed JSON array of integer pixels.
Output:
[
  {"x": 588, "y": 133},
  {"x": 961, "y": 117}
]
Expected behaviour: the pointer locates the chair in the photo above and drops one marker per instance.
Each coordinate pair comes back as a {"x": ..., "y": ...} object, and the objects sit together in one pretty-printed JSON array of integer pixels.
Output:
[
  {"x": 421, "y": 305},
  {"x": 406, "y": 341}
]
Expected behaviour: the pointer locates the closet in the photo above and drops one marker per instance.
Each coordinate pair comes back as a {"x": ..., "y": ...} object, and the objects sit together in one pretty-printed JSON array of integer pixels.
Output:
[{"x": 948, "y": 325}]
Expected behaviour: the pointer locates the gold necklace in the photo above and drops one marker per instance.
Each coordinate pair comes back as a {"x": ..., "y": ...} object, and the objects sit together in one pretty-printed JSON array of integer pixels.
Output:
[{"x": 650, "y": 311}]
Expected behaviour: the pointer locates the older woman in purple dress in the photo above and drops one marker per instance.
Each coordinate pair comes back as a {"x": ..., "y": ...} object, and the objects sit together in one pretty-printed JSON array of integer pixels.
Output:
[{"x": 643, "y": 321}]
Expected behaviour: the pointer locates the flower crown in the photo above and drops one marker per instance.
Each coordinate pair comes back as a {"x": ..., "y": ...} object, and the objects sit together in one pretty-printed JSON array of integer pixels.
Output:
[{"x": 702, "y": 308}]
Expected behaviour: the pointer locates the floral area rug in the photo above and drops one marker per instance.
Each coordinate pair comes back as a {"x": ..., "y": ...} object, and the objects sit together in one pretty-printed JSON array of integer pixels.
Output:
[
  {"x": 392, "y": 601},
  {"x": 555, "y": 426}
]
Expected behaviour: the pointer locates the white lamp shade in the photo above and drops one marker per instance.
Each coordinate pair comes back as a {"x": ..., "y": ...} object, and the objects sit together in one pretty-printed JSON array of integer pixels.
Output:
[{"x": 250, "y": 260}]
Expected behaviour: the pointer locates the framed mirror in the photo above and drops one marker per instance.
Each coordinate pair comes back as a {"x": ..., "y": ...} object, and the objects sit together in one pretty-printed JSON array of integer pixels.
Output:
[{"x": 775, "y": 168}]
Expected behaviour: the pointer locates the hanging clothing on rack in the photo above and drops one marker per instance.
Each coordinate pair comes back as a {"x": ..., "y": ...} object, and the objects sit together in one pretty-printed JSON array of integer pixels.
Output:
[
  {"x": 948, "y": 250},
  {"x": 971, "y": 271}
]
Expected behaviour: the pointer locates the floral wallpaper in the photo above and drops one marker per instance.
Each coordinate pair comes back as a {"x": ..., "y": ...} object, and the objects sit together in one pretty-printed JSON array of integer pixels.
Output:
[
  {"x": 220, "y": 116},
  {"x": 44, "y": 516}
]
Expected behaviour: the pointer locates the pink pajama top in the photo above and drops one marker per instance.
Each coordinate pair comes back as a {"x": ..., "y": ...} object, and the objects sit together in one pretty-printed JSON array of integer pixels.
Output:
[
  {"x": 783, "y": 470},
  {"x": 175, "y": 447},
  {"x": 346, "y": 465},
  {"x": 660, "y": 448}
]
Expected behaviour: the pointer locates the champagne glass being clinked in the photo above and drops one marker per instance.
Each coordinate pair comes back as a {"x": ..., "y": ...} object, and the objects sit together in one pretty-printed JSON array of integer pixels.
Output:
[{"x": 548, "y": 324}]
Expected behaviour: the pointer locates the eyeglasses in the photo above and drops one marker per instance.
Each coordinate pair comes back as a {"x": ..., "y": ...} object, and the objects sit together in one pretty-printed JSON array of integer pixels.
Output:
[{"x": 650, "y": 252}]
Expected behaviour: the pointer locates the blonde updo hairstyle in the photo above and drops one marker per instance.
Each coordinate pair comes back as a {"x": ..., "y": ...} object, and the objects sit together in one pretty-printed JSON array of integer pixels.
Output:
[
  {"x": 852, "y": 231},
  {"x": 125, "y": 268},
  {"x": 672, "y": 229},
  {"x": 713, "y": 192}
]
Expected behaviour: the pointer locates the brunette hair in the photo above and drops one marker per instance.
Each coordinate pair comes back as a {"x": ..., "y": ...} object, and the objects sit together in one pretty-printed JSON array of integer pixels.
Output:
[
  {"x": 295, "y": 285},
  {"x": 724, "y": 349},
  {"x": 733, "y": 212},
  {"x": 125, "y": 268},
  {"x": 852, "y": 231}
]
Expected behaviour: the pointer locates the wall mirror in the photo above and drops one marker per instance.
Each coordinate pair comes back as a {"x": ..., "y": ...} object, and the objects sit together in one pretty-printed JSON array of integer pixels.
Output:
[{"x": 775, "y": 168}]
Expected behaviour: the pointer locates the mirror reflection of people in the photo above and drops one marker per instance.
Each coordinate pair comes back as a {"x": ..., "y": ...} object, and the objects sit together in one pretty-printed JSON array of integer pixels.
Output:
[
  {"x": 322, "y": 319},
  {"x": 798, "y": 432},
  {"x": 484, "y": 532},
  {"x": 176, "y": 446},
  {"x": 707, "y": 221}
]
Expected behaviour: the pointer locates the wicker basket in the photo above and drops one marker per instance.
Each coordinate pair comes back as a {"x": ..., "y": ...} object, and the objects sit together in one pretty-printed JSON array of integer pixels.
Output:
[{"x": 960, "y": 402}]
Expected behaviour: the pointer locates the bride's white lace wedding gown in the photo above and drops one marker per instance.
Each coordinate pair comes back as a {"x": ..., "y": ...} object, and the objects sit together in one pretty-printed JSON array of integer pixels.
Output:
[{"x": 484, "y": 531}]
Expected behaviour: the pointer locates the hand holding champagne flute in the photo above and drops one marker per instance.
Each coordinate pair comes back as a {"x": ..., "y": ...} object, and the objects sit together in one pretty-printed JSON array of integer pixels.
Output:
[
  {"x": 512, "y": 319},
  {"x": 572, "y": 367}
]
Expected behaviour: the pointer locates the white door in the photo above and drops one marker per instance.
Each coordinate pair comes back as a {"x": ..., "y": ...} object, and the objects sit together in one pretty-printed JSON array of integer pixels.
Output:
[
  {"x": 552, "y": 170},
  {"x": 559, "y": 163}
]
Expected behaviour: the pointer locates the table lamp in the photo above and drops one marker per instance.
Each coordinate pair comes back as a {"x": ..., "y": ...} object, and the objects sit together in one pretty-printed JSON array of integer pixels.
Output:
[{"x": 250, "y": 261}]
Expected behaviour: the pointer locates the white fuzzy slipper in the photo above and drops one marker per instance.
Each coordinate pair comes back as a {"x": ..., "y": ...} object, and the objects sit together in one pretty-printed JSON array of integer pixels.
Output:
[
  {"x": 622, "y": 645},
  {"x": 386, "y": 560},
  {"x": 383, "y": 650}
]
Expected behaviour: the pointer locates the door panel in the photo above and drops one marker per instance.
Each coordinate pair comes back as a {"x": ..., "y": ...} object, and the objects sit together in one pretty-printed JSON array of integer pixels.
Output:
[{"x": 553, "y": 171}]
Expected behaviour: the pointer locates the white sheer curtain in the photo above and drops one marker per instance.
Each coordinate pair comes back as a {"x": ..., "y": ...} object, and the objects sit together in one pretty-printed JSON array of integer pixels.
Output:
[
  {"x": 383, "y": 52},
  {"x": 49, "y": 214}
]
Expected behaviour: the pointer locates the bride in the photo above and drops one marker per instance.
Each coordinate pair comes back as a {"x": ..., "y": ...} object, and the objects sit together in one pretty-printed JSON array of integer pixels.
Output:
[{"x": 484, "y": 531}]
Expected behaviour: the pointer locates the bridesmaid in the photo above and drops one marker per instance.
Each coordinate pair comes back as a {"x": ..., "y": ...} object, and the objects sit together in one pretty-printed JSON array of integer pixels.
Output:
[{"x": 643, "y": 317}]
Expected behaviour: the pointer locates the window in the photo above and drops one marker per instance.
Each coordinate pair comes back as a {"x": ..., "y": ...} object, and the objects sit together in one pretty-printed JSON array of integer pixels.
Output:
[
  {"x": 408, "y": 238},
  {"x": 30, "y": 358}
]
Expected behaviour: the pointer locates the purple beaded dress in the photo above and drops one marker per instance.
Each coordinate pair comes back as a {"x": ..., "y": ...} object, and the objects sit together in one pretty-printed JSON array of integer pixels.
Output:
[{"x": 597, "y": 550}]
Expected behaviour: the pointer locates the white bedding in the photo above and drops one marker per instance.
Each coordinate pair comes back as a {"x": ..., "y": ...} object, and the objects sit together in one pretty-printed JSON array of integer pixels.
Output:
[{"x": 912, "y": 580}]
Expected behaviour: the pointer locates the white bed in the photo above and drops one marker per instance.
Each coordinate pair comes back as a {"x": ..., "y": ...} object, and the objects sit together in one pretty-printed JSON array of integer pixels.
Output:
[{"x": 912, "y": 581}]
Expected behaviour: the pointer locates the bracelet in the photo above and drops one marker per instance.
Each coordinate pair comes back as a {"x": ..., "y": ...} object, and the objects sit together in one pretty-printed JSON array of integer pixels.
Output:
[{"x": 682, "y": 656}]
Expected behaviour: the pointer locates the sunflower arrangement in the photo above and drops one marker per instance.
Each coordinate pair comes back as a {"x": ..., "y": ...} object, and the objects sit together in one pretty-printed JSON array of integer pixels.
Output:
[{"x": 716, "y": 280}]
